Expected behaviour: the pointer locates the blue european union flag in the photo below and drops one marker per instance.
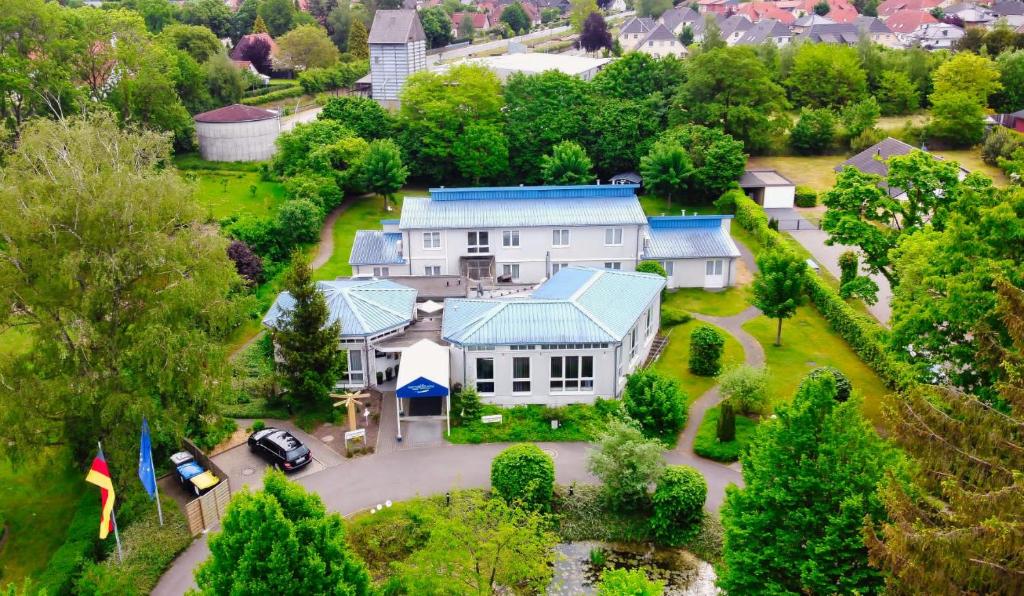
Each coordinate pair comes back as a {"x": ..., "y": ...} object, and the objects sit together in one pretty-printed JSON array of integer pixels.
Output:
[{"x": 146, "y": 472}]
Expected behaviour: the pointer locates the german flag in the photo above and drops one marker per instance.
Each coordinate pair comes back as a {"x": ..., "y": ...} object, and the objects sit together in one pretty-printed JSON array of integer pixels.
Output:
[{"x": 99, "y": 475}]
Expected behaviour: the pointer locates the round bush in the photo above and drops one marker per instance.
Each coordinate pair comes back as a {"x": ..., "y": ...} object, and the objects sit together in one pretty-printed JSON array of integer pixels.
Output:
[
  {"x": 805, "y": 197},
  {"x": 656, "y": 402},
  {"x": 843, "y": 385},
  {"x": 678, "y": 504},
  {"x": 706, "y": 345},
  {"x": 524, "y": 473},
  {"x": 651, "y": 267},
  {"x": 299, "y": 222}
]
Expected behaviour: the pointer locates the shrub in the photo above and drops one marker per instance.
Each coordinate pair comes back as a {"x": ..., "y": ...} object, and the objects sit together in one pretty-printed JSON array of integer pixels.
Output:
[
  {"x": 363, "y": 115},
  {"x": 627, "y": 463},
  {"x": 848, "y": 265},
  {"x": 745, "y": 388},
  {"x": 286, "y": 93},
  {"x": 706, "y": 444},
  {"x": 726, "y": 429},
  {"x": 248, "y": 264},
  {"x": 814, "y": 132},
  {"x": 79, "y": 549},
  {"x": 524, "y": 473},
  {"x": 258, "y": 425},
  {"x": 727, "y": 202},
  {"x": 806, "y": 197},
  {"x": 678, "y": 504},
  {"x": 466, "y": 404},
  {"x": 321, "y": 190},
  {"x": 867, "y": 138},
  {"x": 656, "y": 402},
  {"x": 339, "y": 76},
  {"x": 1000, "y": 142},
  {"x": 843, "y": 385},
  {"x": 651, "y": 267},
  {"x": 670, "y": 317},
  {"x": 299, "y": 221},
  {"x": 628, "y": 582},
  {"x": 706, "y": 345}
]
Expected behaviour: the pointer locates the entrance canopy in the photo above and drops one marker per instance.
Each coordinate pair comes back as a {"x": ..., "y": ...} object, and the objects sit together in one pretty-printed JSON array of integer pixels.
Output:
[{"x": 424, "y": 371}]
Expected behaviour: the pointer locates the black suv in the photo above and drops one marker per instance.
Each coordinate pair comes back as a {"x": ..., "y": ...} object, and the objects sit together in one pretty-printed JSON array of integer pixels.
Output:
[{"x": 280, "y": 448}]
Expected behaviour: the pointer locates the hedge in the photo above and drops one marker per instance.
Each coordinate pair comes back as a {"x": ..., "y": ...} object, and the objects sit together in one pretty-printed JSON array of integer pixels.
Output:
[
  {"x": 78, "y": 550},
  {"x": 274, "y": 96},
  {"x": 861, "y": 332},
  {"x": 268, "y": 89},
  {"x": 805, "y": 197},
  {"x": 706, "y": 443}
]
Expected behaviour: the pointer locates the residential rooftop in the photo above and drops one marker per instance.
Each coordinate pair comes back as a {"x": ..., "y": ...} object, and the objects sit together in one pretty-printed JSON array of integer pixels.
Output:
[
  {"x": 363, "y": 307},
  {"x": 688, "y": 237}
]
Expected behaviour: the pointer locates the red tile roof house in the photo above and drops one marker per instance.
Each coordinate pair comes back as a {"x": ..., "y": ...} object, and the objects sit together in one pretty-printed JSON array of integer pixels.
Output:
[
  {"x": 905, "y": 22},
  {"x": 721, "y": 7},
  {"x": 759, "y": 11},
  {"x": 480, "y": 21},
  {"x": 840, "y": 11},
  {"x": 494, "y": 11},
  {"x": 889, "y": 8}
]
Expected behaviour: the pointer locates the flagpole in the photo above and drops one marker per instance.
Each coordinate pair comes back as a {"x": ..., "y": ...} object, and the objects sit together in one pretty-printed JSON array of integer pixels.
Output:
[
  {"x": 113, "y": 518},
  {"x": 156, "y": 489}
]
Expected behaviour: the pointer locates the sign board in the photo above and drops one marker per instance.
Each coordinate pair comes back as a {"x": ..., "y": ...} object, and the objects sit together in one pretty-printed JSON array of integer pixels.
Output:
[
  {"x": 491, "y": 419},
  {"x": 355, "y": 434}
]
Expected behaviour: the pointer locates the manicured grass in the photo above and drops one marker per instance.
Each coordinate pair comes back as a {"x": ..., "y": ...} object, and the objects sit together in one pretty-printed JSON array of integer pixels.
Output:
[
  {"x": 674, "y": 361},
  {"x": 716, "y": 304},
  {"x": 653, "y": 205},
  {"x": 577, "y": 422},
  {"x": 814, "y": 171},
  {"x": 706, "y": 443},
  {"x": 38, "y": 500},
  {"x": 225, "y": 193},
  {"x": 895, "y": 123},
  {"x": 971, "y": 159},
  {"x": 807, "y": 343}
]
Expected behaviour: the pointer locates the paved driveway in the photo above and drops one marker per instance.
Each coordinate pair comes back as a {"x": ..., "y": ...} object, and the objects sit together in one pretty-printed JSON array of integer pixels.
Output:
[{"x": 828, "y": 257}]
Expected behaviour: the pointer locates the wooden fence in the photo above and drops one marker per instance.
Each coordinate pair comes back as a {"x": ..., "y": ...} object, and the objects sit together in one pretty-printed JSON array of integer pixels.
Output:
[{"x": 206, "y": 511}]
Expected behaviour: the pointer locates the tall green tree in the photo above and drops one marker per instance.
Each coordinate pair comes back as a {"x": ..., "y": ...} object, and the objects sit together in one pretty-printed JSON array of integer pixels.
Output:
[
  {"x": 306, "y": 46},
  {"x": 621, "y": 131},
  {"x": 667, "y": 170},
  {"x": 306, "y": 339},
  {"x": 281, "y": 540},
  {"x": 359, "y": 41},
  {"x": 515, "y": 17},
  {"x": 1011, "y": 76},
  {"x": 107, "y": 266},
  {"x": 481, "y": 154},
  {"x": 957, "y": 118},
  {"x": 826, "y": 76},
  {"x": 718, "y": 159},
  {"x": 213, "y": 14},
  {"x": 364, "y": 116},
  {"x": 224, "y": 81},
  {"x": 897, "y": 94},
  {"x": 779, "y": 285},
  {"x": 813, "y": 132},
  {"x": 968, "y": 73},
  {"x": 382, "y": 169},
  {"x": 810, "y": 478},
  {"x": 579, "y": 10},
  {"x": 279, "y": 16},
  {"x": 627, "y": 463},
  {"x": 956, "y": 528},
  {"x": 568, "y": 164},
  {"x": 437, "y": 26},
  {"x": 862, "y": 213},
  {"x": 199, "y": 42}
]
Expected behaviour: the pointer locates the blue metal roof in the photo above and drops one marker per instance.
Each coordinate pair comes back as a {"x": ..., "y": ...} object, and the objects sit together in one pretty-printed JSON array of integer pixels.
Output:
[
  {"x": 689, "y": 237},
  {"x": 372, "y": 247},
  {"x": 523, "y": 206},
  {"x": 364, "y": 307},
  {"x": 578, "y": 304}
]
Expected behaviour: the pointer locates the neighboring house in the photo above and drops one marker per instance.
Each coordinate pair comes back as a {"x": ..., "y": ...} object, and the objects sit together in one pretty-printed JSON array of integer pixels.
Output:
[
  {"x": 246, "y": 40},
  {"x": 722, "y": 7},
  {"x": 835, "y": 33},
  {"x": 661, "y": 42},
  {"x": 398, "y": 48},
  {"x": 371, "y": 312},
  {"x": 480, "y": 21},
  {"x": 701, "y": 25},
  {"x": 522, "y": 234},
  {"x": 530, "y": 63},
  {"x": 627, "y": 178},
  {"x": 695, "y": 250},
  {"x": 936, "y": 36},
  {"x": 889, "y": 8},
  {"x": 840, "y": 11},
  {"x": 767, "y": 30},
  {"x": 768, "y": 188},
  {"x": 878, "y": 31},
  {"x": 635, "y": 31},
  {"x": 760, "y": 11},
  {"x": 874, "y": 160},
  {"x": 734, "y": 27},
  {"x": 677, "y": 17},
  {"x": 810, "y": 20},
  {"x": 574, "y": 339},
  {"x": 971, "y": 15},
  {"x": 247, "y": 66},
  {"x": 1010, "y": 11},
  {"x": 1013, "y": 121},
  {"x": 905, "y": 23}
]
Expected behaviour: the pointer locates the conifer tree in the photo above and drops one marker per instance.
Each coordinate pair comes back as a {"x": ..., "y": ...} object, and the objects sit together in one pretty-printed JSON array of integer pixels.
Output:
[
  {"x": 306, "y": 341},
  {"x": 358, "y": 41},
  {"x": 259, "y": 26},
  {"x": 959, "y": 529}
]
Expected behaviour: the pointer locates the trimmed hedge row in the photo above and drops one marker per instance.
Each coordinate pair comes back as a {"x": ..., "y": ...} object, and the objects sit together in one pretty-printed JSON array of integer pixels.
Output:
[
  {"x": 274, "y": 96},
  {"x": 268, "y": 89},
  {"x": 79, "y": 549},
  {"x": 863, "y": 334}
]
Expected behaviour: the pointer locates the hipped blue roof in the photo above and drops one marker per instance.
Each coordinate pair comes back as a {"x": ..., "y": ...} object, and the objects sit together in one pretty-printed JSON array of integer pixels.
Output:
[
  {"x": 689, "y": 237},
  {"x": 364, "y": 307},
  {"x": 373, "y": 247},
  {"x": 577, "y": 305},
  {"x": 523, "y": 206}
]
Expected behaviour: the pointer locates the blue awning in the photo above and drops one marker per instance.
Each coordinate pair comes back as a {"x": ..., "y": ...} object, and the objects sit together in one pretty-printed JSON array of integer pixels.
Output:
[{"x": 423, "y": 371}]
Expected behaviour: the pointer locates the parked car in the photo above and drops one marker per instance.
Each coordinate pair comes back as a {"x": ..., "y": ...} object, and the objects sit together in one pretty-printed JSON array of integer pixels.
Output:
[
  {"x": 280, "y": 448},
  {"x": 191, "y": 475}
]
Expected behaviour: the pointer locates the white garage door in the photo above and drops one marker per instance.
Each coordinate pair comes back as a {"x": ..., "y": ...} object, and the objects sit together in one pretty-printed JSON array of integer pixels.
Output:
[{"x": 777, "y": 197}]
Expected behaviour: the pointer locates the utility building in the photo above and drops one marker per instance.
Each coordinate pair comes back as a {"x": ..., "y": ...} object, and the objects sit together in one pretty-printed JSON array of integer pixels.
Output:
[{"x": 398, "y": 48}]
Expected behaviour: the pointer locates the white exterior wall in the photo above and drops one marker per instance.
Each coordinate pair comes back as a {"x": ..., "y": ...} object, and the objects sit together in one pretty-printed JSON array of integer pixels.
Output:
[
  {"x": 391, "y": 64},
  {"x": 238, "y": 141},
  {"x": 660, "y": 49},
  {"x": 690, "y": 273},
  {"x": 608, "y": 383},
  {"x": 776, "y": 197},
  {"x": 586, "y": 248}
]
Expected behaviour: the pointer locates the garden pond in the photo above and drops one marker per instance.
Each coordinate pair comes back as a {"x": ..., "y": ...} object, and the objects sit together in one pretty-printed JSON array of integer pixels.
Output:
[{"x": 577, "y": 571}]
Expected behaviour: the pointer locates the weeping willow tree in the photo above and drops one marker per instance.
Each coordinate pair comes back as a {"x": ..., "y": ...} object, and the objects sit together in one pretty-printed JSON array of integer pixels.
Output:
[{"x": 960, "y": 527}]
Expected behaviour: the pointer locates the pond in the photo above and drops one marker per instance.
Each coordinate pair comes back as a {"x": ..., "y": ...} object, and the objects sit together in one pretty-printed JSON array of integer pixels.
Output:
[{"x": 683, "y": 573}]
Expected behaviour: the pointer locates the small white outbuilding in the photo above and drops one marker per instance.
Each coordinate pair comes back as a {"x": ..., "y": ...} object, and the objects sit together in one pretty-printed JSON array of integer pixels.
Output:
[
  {"x": 238, "y": 133},
  {"x": 768, "y": 188}
]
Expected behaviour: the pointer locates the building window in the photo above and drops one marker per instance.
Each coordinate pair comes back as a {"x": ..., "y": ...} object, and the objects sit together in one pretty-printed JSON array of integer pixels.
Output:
[
  {"x": 521, "y": 374},
  {"x": 556, "y": 267},
  {"x": 613, "y": 237},
  {"x": 511, "y": 270},
  {"x": 510, "y": 238},
  {"x": 559, "y": 238},
  {"x": 713, "y": 267},
  {"x": 355, "y": 367},
  {"x": 432, "y": 270},
  {"x": 632, "y": 344},
  {"x": 613, "y": 265},
  {"x": 381, "y": 271},
  {"x": 648, "y": 323},
  {"x": 572, "y": 373},
  {"x": 668, "y": 267},
  {"x": 485, "y": 375},
  {"x": 479, "y": 242},
  {"x": 431, "y": 240}
]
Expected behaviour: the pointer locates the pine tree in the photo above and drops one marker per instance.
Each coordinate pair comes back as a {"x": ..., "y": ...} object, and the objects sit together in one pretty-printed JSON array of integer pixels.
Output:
[
  {"x": 960, "y": 528},
  {"x": 259, "y": 26},
  {"x": 358, "y": 41},
  {"x": 726, "y": 423},
  {"x": 306, "y": 341},
  {"x": 810, "y": 478}
]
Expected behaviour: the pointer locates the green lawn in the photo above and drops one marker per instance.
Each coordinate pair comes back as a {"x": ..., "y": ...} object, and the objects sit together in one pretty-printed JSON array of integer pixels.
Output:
[
  {"x": 716, "y": 304},
  {"x": 814, "y": 171},
  {"x": 807, "y": 343},
  {"x": 38, "y": 500},
  {"x": 971, "y": 159},
  {"x": 225, "y": 193},
  {"x": 706, "y": 443},
  {"x": 653, "y": 205},
  {"x": 674, "y": 360}
]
